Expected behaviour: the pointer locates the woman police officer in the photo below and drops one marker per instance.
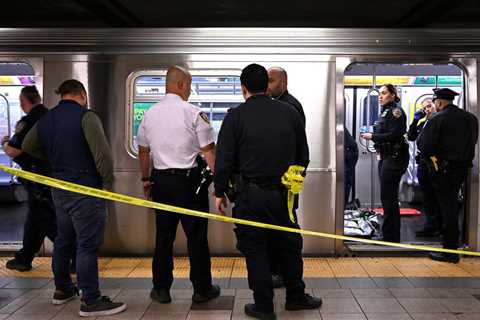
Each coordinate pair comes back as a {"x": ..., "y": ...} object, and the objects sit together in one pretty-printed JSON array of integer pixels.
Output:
[{"x": 392, "y": 149}]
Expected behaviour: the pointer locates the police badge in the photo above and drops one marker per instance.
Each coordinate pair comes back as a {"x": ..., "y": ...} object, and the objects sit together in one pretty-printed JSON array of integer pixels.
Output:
[{"x": 397, "y": 113}]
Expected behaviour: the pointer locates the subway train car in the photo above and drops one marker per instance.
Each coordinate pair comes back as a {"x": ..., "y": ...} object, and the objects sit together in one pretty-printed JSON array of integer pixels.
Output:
[{"x": 334, "y": 73}]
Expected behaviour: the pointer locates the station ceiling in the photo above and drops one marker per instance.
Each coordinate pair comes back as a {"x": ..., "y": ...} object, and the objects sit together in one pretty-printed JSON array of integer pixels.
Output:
[{"x": 241, "y": 13}]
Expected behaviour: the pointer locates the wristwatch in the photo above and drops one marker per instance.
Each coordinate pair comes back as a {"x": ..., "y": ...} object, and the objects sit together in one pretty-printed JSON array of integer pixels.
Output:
[{"x": 145, "y": 179}]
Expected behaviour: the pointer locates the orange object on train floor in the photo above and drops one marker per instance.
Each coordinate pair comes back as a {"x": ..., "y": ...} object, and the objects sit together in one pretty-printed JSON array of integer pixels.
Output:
[{"x": 403, "y": 211}]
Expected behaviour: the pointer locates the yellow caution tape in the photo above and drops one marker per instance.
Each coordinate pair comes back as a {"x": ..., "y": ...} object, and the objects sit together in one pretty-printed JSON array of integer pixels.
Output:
[
  {"x": 293, "y": 181},
  {"x": 73, "y": 187}
]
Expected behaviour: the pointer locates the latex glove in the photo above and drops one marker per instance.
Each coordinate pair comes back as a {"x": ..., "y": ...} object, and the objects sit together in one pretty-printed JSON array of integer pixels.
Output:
[{"x": 419, "y": 115}]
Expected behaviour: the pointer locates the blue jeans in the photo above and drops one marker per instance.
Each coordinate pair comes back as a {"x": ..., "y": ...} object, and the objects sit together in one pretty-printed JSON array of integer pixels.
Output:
[{"x": 81, "y": 220}]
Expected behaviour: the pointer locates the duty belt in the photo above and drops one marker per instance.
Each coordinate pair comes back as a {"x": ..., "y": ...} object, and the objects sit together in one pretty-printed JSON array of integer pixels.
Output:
[
  {"x": 436, "y": 165},
  {"x": 173, "y": 171},
  {"x": 391, "y": 148}
]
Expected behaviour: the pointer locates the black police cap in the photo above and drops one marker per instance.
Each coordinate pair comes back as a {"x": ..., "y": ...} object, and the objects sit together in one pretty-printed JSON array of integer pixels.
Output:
[{"x": 444, "y": 93}]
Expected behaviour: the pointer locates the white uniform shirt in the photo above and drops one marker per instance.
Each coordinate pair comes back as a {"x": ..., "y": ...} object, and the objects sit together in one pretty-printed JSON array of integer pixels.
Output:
[{"x": 174, "y": 130}]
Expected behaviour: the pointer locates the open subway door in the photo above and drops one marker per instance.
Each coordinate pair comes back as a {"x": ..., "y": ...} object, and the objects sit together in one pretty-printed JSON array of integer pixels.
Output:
[
  {"x": 358, "y": 81},
  {"x": 13, "y": 197}
]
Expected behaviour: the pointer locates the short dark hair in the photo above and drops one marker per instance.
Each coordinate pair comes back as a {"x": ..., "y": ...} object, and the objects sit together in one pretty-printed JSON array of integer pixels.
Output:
[
  {"x": 391, "y": 88},
  {"x": 31, "y": 94},
  {"x": 255, "y": 78},
  {"x": 71, "y": 86}
]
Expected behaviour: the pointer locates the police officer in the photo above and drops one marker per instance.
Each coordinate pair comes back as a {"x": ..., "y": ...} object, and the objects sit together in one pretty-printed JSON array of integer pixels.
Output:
[
  {"x": 41, "y": 219},
  {"x": 174, "y": 132},
  {"x": 257, "y": 143},
  {"x": 392, "y": 147},
  {"x": 71, "y": 137},
  {"x": 278, "y": 89},
  {"x": 433, "y": 220},
  {"x": 351, "y": 158},
  {"x": 447, "y": 143}
]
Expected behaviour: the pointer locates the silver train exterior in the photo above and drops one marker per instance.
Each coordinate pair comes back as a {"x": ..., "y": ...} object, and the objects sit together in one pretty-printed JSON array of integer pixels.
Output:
[{"x": 106, "y": 60}]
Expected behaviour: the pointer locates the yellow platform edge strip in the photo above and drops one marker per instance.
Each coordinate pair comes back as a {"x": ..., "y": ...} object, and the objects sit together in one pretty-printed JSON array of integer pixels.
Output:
[{"x": 73, "y": 187}]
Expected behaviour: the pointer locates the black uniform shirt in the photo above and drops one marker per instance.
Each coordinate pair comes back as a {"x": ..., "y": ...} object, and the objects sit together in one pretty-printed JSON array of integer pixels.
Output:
[
  {"x": 451, "y": 135},
  {"x": 415, "y": 129},
  {"x": 23, "y": 126},
  {"x": 291, "y": 100},
  {"x": 391, "y": 125},
  {"x": 259, "y": 139}
]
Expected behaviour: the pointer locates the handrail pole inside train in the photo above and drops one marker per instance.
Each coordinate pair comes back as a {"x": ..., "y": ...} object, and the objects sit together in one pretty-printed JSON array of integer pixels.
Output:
[{"x": 370, "y": 148}]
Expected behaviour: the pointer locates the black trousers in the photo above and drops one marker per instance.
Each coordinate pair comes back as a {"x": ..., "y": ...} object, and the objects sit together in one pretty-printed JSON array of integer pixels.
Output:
[
  {"x": 179, "y": 190},
  {"x": 390, "y": 171},
  {"x": 447, "y": 187},
  {"x": 41, "y": 222},
  {"x": 433, "y": 218},
  {"x": 275, "y": 257},
  {"x": 351, "y": 159},
  {"x": 269, "y": 206}
]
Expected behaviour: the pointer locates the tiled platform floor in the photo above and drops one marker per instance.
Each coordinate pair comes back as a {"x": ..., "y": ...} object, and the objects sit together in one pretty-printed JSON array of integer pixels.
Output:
[{"x": 351, "y": 288}]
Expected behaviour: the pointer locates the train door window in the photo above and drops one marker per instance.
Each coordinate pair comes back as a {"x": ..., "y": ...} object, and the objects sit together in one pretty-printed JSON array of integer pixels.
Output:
[
  {"x": 13, "y": 77},
  {"x": 414, "y": 83},
  {"x": 13, "y": 205},
  {"x": 213, "y": 91}
]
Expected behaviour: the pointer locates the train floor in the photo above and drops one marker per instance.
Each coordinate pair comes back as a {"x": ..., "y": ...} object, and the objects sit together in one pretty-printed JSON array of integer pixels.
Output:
[{"x": 351, "y": 288}]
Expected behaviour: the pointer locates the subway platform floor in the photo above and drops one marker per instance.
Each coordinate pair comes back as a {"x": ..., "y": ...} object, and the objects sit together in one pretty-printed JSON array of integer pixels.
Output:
[{"x": 351, "y": 288}]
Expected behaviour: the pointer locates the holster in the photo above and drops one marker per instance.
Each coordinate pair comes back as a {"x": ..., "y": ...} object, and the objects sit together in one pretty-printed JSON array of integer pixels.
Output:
[
  {"x": 206, "y": 176},
  {"x": 391, "y": 149},
  {"x": 235, "y": 183},
  {"x": 436, "y": 165}
]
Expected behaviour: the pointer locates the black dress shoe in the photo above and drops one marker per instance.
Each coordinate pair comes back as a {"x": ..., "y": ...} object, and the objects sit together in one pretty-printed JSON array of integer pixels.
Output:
[
  {"x": 251, "y": 311},
  {"x": 213, "y": 293},
  {"x": 277, "y": 281},
  {"x": 63, "y": 296},
  {"x": 445, "y": 257},
  {"x": 14, "y": 264},
  {"x": 161, "y": 295},
  {"x": 306, "y": 302}
]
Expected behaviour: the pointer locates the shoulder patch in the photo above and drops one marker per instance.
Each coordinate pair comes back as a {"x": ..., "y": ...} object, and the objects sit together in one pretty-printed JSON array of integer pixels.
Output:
[
  {"x": 397, "y": 113},
  {"x": 204, "y": 117},
  {"x": 20, "y": 126}
]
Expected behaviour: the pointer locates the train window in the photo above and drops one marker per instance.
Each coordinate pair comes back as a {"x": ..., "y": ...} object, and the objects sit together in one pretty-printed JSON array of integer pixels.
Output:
[
  {"x": 13, "y": 77},
  {"x": 213, "y": 91}
]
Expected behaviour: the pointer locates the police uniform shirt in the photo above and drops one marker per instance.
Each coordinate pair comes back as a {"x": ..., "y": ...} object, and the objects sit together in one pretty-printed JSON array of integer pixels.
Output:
[
  {"x": 259, "y": 139},
  {"x": 416, "y": 128},
  {"x": 392, "y": 125},
  {"x": 291, "y": 100},
  {"x": 23, "y": 126},
  {"x": 175, "y": 131},
  {"x": 451, "y": 134}
]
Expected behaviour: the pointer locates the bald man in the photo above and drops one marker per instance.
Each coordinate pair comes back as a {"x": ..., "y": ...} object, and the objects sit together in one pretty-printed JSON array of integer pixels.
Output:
[
  {"x": 277, "y": 89},
  {"x": 173, "y": 133}
]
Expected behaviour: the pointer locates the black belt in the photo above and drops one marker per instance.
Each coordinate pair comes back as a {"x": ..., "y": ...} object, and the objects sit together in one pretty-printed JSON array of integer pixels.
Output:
[
  {"x": 173, "y": 171},
  {"x": 270, "y": 184}
]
